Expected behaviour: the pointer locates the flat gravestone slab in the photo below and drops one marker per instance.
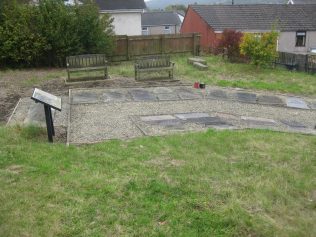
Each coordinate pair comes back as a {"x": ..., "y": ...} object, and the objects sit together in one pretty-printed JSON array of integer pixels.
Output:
[
  {"x": 162, "y": 90},
  {"x": 115, "y": 96},
  {"x": 217, "y": 94},
  {"x": 168, "y": 96},
  {"x": 190, "y": 96},
  {"x": 293, "y": 124},
  {"x": 172, "y": 123},
  {"x": 294, "y": 102},
  {"x": 270, "y": 100},
  {"x": 259, "y": 121},
  {"x": 85, "y": 98},
  {"x": 208, "y": 121},
  {"x": 185, "y": 90},
  {"x": 157, "y": 118},
  {"x": 186, "y": 116},
  {"x": 246, "y": 97},
  {"x": 143, "y": 95},
  {"x": 36, "y": 114}
]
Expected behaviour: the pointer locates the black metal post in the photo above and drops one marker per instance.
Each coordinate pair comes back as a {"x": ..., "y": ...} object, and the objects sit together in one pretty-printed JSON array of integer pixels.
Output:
[
  {"x": 49, "y": 123},
  {"x": 51, "y": 120}
]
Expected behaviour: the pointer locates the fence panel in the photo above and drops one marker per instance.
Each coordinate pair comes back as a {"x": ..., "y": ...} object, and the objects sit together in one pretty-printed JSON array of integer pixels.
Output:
[
  {"x": 304, "y": 62},
  {"x": 129, "y": 47}
]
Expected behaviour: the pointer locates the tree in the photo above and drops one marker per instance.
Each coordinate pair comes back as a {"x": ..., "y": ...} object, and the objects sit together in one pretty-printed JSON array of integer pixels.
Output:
[
  {"x": 176, "y": 7},
  {"x": 20, "y": 43},
  {"x": 261, "y": 49},
  {"x": 44, "y": 34},
  {"x": 230, "y": 42}
]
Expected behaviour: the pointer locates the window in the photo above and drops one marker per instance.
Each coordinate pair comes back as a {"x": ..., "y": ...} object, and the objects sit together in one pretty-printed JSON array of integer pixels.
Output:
[
  {"x": 167, "y": 30},
  {"x": 300, "y": 38},
  {"x": 145, "y": 31}
]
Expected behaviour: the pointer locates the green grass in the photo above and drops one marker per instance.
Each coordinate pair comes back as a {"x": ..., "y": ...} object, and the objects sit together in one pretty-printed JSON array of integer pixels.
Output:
[
  {"x": 225, "y": 74},
  {"x": 217, "y": 183}
]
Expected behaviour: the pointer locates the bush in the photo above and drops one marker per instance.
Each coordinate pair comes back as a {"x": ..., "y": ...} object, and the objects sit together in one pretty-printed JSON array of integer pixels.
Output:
[
  {"x": 230, "y": 42},
  {"x": 45, "y": 34},
  {"x": 261, "y": 49}
]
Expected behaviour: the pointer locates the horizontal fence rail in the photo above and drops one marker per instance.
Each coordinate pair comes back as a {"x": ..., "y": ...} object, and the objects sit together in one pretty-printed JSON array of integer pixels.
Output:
[
  {"x": 130, "y": 47},
  {"x": 302, "y": 62}
]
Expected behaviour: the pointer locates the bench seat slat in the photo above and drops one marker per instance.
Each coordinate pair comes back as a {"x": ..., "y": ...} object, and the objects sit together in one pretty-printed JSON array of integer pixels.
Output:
[
  {"x": 154, "y": 64},
  {"x": 89, "y": 62}
]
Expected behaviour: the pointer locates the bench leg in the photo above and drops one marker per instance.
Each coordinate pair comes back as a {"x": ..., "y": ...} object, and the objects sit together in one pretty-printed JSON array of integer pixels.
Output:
[
  {"x": 68, "y": 75},
  {"x": 106, "y": 73}
]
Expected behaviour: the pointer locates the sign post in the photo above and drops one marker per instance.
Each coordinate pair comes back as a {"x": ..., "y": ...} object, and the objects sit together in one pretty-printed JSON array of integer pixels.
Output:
[{"x": 50, "y": 102}]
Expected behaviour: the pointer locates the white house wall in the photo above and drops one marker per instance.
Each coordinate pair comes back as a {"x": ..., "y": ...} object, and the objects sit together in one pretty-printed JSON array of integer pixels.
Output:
[
  {"x": 287, "y": 41},
  {"x": 127, "y": 23}
]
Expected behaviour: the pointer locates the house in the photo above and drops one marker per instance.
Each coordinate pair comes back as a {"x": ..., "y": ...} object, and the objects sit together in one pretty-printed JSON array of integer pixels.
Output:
[
  {"x": 126, "y": 14},
  {"x": 161, "y": 22},
  {"x": 295, "y": 23}
]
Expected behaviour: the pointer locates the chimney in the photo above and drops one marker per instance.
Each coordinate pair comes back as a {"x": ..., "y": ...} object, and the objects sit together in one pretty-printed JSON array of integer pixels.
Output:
[{"x": 232, "y": 2}]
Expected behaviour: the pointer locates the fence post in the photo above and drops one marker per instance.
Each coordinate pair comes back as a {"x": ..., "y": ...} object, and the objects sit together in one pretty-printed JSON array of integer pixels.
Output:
[
  {"x": 306, "y": 63},
  {"x": 162, "y": 44},
  {"x": 195, "y": 44},
  {"x": 127, "y": 48}
]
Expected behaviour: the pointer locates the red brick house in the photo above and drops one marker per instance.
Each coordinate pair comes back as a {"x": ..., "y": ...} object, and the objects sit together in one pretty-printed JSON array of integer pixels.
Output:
[{"x": 296, "y": 23}]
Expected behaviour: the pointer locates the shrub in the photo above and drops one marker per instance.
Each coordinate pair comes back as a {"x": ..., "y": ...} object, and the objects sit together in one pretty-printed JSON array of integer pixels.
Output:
[
  {"x": 43, "y": 35},
  {"x": 19, "y": 41},
  {"x": 261, "y": 49},
  {"x": 230, "y": 42}
]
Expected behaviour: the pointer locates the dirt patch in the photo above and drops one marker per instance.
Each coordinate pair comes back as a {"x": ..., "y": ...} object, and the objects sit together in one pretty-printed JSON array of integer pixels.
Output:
[
  {"x": 20, "y": 83},
  {"x": 15, "y": 169},
  {"x": 165, "y": 161}
]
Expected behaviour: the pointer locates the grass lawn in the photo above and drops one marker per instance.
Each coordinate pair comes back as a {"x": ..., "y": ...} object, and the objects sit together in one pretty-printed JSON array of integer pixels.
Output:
[
  {"x": 228, "y": 183},
  {"x": 223, "y": 73}
]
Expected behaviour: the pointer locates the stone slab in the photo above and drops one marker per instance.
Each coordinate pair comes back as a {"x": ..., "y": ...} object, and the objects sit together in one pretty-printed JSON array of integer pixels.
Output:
[
  {"x": 167, "y": 96},
  {"x": 85, "y": 97},
  {"x": 157, "y": 118},
  {"x": 216, "y": 121},
  {"x": 217, "y": 94},
  {"x": 293, "y": 124},
  {"x": 246, "y": 97},
  {"x": 199, "y": 60},
  {"x": 190, "y": 96},
  {"x": 270, "y": 100},
  {"x": 162, "y": 90},
  {"x": 259, "y": 121},
  {"x": 36, "y": 114},
  {"x": 186, "y": 116},
  {"x": 115, "y": 96},
  {"x": 294, "y": 102},
  {"x": 200, "y": 66},
  {"x": 172, "y": 123},
  {"x": 143, "y": 95}
]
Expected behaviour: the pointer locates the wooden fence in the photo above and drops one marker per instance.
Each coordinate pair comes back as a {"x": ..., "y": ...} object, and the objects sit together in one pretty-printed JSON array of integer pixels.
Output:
[
  {"x": 130, "y": 47},
  {"x": 304, "y": 62}
]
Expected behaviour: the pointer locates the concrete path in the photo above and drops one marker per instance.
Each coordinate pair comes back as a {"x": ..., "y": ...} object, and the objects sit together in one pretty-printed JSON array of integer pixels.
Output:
[{"x": 94, "y": 115}]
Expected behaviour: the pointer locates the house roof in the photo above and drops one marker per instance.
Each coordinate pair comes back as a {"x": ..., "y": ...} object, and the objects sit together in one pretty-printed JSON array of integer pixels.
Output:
[
  {"x": 160, "y": 18},
  {"x": 112, "y": 5},
  {"x": 304, "y": 1},
  {"x": 261, "y": 17}
]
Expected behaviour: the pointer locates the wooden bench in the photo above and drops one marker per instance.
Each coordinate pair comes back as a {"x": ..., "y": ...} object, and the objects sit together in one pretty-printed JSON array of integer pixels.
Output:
[
  {"x": 153, "y": 64},
  {"x": 87, "y": 62}
]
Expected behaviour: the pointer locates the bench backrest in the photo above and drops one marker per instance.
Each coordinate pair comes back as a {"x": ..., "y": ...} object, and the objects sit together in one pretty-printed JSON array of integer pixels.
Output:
[
  {"x": 153, "y": 61},
  {"x": 87, "y": 60}
]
